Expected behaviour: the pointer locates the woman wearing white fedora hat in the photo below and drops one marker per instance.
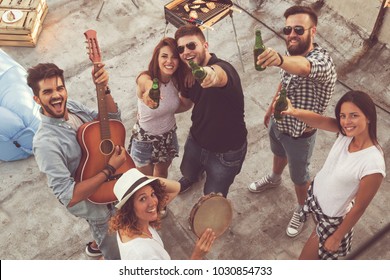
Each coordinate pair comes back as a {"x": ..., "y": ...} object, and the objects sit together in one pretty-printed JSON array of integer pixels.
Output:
[{"x": 141, "y": 199}]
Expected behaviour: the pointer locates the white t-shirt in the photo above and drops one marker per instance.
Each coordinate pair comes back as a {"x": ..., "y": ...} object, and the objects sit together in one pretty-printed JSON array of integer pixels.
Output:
[
  {"x": 143, "y": 248},
  {"x": 337, "y": 183},
  {"x": 160, "y": 120}
]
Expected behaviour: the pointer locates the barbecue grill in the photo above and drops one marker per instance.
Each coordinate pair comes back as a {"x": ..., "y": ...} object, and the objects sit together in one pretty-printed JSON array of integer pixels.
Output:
[{"x": 176, "y": 14}]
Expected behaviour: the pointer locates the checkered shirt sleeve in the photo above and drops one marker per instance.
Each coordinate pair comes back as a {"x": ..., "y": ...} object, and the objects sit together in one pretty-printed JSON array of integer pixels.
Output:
[{"x": 311, "y": 93}]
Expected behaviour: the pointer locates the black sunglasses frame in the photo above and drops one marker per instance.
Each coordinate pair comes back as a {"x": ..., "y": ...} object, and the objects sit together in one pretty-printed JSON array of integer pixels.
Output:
[
  {"x": 191, "y": 46},
  {"x": 298, "y": 29}
]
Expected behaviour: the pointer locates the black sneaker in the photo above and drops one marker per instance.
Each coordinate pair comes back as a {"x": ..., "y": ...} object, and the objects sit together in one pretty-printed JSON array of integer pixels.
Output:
[
  {"x": 185, "y": 184},
  {"x": 91, "y": 251}
]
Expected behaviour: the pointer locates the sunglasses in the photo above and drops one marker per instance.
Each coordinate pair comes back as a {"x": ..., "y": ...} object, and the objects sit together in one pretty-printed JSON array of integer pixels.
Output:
[
  {"x": 191, "y": 46},
  {"x": 297, "y": 29}
]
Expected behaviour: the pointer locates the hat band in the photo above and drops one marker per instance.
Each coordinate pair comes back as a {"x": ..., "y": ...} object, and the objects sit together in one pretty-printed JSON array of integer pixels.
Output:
[{"x": 136, "y": 184}]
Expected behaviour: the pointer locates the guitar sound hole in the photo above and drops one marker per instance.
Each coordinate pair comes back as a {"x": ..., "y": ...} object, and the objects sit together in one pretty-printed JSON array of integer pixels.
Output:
[{"x": 106, "y": 147}]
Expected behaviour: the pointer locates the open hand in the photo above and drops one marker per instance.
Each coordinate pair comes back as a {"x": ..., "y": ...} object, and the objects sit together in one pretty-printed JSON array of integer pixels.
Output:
[{"x": 203, "y": 245}]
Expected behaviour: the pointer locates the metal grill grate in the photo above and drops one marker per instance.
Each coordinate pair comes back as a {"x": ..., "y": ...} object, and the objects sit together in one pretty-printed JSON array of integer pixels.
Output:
[{"x": 174, "y": 14}]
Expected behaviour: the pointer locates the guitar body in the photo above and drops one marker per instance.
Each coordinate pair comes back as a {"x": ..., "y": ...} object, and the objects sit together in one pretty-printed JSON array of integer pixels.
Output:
[
  {"x": 95, "y": 156},
  {"x": 98, "y": 139}
]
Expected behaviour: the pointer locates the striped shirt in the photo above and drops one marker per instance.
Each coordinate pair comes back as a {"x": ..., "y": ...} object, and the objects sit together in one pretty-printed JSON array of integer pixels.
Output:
[{"x": 311, "y": 93}]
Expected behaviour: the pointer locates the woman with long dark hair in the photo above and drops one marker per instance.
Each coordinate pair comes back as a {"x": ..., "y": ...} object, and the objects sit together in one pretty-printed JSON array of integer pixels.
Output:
[
  {"x": 153, "y": 144},
  {"x": 350, "y": 177}
]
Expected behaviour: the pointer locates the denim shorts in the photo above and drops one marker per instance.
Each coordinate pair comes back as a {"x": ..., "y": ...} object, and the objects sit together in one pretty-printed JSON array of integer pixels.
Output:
[
  {"x": 142, "y": 152},
  {"x": 297, "y": 150},
  {"x": 220, "y": 168}
]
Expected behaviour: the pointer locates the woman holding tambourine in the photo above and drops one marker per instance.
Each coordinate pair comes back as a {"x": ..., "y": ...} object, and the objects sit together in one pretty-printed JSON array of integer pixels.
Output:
[{"x": 141, "y": 199}]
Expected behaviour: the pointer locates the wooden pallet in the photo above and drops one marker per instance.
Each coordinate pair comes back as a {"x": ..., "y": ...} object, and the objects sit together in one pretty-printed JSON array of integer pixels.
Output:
[{"x": 25, "y": 32}]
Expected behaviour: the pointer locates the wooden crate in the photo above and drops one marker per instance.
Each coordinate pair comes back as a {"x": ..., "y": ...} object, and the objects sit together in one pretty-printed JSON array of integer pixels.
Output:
[{"x": 25, "y": 32}]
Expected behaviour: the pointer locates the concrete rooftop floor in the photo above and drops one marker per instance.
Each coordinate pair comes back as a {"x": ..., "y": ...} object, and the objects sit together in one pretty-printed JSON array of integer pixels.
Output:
[{"x": 36, "y": 226}]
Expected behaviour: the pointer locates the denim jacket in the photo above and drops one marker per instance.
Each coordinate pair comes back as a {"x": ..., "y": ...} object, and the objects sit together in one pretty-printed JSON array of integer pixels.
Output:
[{"x": 58, "y": 155}]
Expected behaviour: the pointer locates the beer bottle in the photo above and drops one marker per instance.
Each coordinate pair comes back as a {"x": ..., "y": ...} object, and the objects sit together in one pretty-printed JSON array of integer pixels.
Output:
[
  {"x": 280, "y": 105},
  {"x": 197, "y": 70},
  {"x": 154, "y": 93},
  {"x": 258, "y": 49}
]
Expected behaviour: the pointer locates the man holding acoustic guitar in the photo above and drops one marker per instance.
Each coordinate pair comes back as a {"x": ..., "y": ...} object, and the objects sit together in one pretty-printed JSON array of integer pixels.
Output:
[{"x": 58, "y": 152}]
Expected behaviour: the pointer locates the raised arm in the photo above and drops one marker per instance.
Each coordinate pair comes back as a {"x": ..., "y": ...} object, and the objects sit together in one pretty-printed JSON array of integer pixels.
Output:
[
  {"x": 216, "y": 77},
  {"x": 296, "y": 64},
  {"x": 312, "y": 119},
  {"x": 172, "y": 188}
]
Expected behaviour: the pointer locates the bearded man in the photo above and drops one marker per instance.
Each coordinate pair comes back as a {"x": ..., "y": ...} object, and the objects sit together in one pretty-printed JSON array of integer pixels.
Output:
[
  {"x": 309, "y": 76},
  {"x": 58, "y": 153}
]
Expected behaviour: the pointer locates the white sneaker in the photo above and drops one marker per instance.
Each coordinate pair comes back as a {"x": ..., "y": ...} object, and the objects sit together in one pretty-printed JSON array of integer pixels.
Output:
[
  {"x": 263, "y": 184},
  {"x": 295, "y": 225}
]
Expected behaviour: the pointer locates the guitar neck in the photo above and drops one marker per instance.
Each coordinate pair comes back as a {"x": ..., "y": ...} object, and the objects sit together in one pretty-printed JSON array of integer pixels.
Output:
[{"x": 102, "y": 107}]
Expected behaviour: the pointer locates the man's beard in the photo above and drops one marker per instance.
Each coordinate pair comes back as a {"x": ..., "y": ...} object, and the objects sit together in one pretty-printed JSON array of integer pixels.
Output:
[
  {"x": 202, "y": 57},
  {"x": 302, "y": 46},
  {"x": 47, "y": 109}
]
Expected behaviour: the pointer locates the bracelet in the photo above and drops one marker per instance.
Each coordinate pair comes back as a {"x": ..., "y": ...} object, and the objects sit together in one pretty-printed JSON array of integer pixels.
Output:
[
  {"x": 281, "y": 60},
  {"x": 108, "y": 90},
  {"x": 111, "y": 169},
  {"x": 105, "y": 173}
]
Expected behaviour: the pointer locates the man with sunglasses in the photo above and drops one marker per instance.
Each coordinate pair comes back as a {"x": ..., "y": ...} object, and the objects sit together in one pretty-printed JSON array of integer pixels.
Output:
[
  {"x": 217, "y": 142},
  {"x": 309, "y": 75}
]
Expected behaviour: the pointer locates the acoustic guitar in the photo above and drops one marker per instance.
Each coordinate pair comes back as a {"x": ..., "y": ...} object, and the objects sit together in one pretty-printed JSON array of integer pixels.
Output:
[{"x": 98, "y": 138}]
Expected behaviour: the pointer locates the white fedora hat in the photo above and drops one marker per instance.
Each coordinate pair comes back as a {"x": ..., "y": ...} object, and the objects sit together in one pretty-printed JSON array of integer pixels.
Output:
[{"x": 130, "y": 182}]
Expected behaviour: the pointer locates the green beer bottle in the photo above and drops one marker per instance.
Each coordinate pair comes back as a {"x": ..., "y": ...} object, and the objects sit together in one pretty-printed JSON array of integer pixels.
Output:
[
  {"x": 280, "y": 105},
  {"x": 258, "y": 49},
  {"x": 154, "y": 93},
  {"x": 198, "y": 71}
]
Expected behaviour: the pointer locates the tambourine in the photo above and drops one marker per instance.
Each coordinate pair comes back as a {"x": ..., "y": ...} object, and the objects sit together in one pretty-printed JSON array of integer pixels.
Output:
[{"x": 211, "y": 211}]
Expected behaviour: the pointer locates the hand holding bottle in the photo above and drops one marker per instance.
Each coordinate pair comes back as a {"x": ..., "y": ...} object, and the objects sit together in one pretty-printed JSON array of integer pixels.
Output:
[
  {"x": 211, "y": 79},
  {"x": 198, "y": 71},
  {"x": 258, "y": 49},
  {"x": 153, "y": 96},
  {"x": 280, "y": 105},
  {"x": 289, "y": 111}
]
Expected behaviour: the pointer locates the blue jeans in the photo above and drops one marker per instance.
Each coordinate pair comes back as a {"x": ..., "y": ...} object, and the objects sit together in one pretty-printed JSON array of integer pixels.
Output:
[
  {"x": 220, "y": 168},
  {"x": 107, "y": 243}
]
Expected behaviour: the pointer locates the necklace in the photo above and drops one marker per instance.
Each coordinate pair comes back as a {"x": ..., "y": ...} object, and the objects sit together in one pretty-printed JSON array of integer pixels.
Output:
[
  {"x": 165, "y": 83},
  {"x": 146, "y": 234}
]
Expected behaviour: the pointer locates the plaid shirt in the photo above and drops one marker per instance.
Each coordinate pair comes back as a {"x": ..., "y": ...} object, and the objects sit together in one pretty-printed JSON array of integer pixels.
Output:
[
  {"x": 311, "y": 93},
  {"x": 325, "y": 227}
]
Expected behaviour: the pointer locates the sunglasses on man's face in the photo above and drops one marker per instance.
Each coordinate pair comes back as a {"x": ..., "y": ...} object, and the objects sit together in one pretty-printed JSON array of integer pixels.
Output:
[
  {"x": 297, "y": 29},
  {"x": 191, "y": 46}
]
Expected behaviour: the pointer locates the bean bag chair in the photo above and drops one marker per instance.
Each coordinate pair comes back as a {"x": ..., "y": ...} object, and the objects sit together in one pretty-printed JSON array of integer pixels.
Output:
[{"x": 19, "y": 114}]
